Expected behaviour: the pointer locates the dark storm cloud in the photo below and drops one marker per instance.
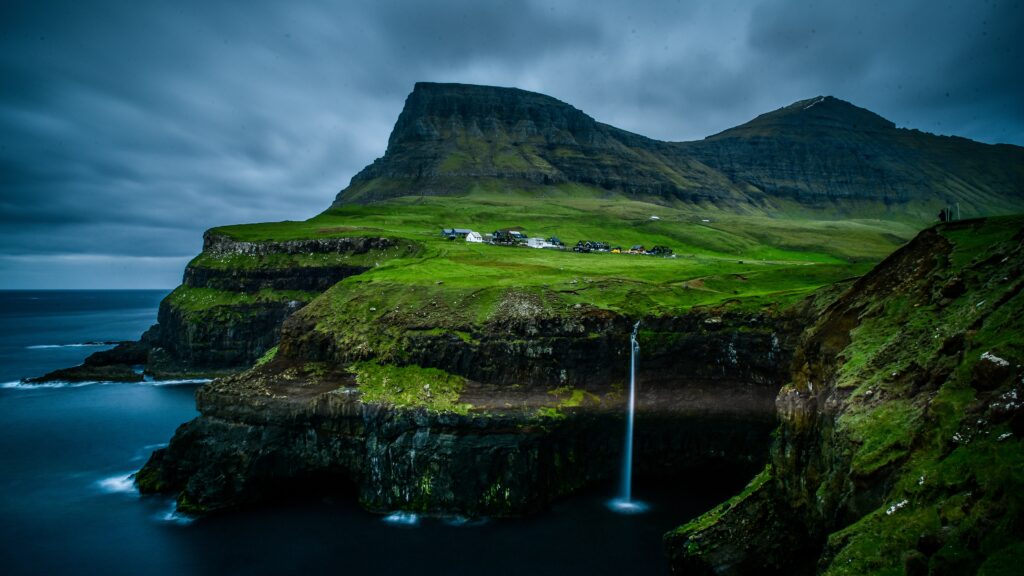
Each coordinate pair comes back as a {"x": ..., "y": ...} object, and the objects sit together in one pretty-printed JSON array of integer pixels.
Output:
[{"x": 127, "y": 128}]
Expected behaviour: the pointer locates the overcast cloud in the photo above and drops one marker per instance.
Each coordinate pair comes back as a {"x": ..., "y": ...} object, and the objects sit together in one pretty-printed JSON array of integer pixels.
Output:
[{"x": 128, "y": 128}]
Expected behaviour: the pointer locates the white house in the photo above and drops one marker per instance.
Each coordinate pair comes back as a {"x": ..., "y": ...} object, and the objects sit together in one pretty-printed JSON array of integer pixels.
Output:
[
  {"x": 538, "y": 243},
  {"x": 474, "y": 237}
]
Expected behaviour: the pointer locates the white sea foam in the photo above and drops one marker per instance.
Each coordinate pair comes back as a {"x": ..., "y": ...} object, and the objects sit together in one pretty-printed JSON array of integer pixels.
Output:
[
  {"x": 402, "y": 519},
  {"x": 75, "y": 345},
  {"x": 172, "y": 516},
  {"x": 22, "y": 385},
  {"x": 123, "y": 484},
  {"x": 183, "y": 381}
]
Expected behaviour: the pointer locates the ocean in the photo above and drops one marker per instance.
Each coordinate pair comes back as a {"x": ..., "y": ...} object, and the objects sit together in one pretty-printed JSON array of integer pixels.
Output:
[{"x": 68, "y": 506}]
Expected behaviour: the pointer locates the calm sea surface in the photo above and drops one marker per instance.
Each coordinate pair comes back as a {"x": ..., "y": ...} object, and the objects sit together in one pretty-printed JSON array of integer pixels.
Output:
[{"x": 68, "y": 507}]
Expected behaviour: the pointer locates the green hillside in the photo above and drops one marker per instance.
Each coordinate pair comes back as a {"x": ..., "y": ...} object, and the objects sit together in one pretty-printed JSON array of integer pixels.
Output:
[{"x": 719, "y": 256}]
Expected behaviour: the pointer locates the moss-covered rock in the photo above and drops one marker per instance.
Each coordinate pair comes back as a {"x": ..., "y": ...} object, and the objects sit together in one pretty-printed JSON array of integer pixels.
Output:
[{"x": 899, "y": 448}]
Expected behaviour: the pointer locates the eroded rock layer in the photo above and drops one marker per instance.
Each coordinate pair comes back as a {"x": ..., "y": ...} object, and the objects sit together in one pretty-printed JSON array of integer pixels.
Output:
[{"x": 517, "y": 446}]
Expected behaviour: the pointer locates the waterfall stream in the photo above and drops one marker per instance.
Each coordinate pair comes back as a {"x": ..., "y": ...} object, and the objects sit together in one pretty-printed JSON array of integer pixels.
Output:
[{"x": 625, "y": 503}]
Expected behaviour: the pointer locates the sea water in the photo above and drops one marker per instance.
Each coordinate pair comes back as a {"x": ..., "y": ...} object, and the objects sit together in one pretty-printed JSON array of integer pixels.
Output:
[{"x": 68, "y": 505}]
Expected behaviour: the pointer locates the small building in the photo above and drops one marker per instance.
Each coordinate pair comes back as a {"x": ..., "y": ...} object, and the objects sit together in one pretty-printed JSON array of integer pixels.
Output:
[
  {"x": 591, "y": 246},
  {"x": 637, "y": 249},
  {"x": 474, "y": 237},
  {"x": 509, "y": 237},
  {"x": 453, "y": 233},
  {"x": 537, "y": 243}
]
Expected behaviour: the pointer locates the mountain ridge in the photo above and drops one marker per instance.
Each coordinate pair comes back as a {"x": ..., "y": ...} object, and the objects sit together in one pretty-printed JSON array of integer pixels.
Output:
[{"x": 818, "y": 153}]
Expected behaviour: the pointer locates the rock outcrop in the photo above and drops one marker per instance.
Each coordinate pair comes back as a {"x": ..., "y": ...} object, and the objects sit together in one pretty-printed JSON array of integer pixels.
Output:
[
  {"x": 229, "y": 309},
  {"x": 899, "y": 444}
]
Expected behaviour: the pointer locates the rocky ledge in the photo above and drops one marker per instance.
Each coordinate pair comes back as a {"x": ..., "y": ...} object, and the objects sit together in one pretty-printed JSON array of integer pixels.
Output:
[{"x": 501, "y": 447}]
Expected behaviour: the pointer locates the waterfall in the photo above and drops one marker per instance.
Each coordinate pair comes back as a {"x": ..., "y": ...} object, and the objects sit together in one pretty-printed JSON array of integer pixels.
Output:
[{"x": 625, "y": 503}]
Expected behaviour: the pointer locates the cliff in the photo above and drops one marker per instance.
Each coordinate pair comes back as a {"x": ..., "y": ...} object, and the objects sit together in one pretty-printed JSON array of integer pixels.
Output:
[
  {"x": 230, "y": 306},
  {"x": 485, "y": 430},
  {"x": 899, "y": 441}
]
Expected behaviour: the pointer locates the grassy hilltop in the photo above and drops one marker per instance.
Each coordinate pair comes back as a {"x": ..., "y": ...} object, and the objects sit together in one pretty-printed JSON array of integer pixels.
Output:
[{"x": 720, "y": 256}]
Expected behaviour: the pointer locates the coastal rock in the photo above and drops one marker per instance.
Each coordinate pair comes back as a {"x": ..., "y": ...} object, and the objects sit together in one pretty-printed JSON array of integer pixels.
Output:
[
  {"x": 230, "y": 307},
  {"x": 515, "y": 451},
  {"x": 895, "y": 445}
]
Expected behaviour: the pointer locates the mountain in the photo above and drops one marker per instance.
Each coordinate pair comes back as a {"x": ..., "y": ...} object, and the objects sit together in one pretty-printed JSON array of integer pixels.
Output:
[
  {"x": 449, "y": 136},
  {"x": 821, "y": 153}
]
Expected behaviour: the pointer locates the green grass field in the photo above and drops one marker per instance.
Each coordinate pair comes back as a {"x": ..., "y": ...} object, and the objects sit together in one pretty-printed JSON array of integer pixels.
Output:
[{"x": 719, "y": 256}]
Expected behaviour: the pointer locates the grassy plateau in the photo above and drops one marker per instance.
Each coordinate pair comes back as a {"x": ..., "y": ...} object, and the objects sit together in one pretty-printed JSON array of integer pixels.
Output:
[{"x": 719, "y": 256}]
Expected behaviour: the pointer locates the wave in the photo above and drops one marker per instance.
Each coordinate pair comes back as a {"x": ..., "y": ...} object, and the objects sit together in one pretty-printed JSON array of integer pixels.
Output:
[
  {"x": 182, "y": 382},
  {"x": 402, "y": 519},
  {"x": 22, "y": 385},
  {"x": 174, "y": 517},
  {"x": 75, "y": 345},
  {"x": 123, "y": 484}
]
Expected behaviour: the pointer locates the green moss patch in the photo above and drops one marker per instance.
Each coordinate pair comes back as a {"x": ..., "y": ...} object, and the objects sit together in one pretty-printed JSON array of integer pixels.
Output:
[
  {"x": 711, "y": 517},
  {"x": 410, "y": 387},
  {"x": 198, "y": 299}
]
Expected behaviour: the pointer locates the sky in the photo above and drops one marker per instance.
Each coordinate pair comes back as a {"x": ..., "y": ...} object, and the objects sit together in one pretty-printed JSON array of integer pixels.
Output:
[{"x": 129, "y": 128}]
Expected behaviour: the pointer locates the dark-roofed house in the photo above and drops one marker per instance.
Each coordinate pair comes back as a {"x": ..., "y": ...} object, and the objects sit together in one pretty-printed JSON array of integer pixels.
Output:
[{"x": 453, "y": 233}]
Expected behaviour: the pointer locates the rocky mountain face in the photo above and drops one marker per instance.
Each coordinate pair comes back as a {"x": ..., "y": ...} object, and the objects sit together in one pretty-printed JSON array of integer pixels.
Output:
[
  {"x": 450, "y": 136},
  {"x": 819, "y": 153},
  {"x": 899, "y": 446}
]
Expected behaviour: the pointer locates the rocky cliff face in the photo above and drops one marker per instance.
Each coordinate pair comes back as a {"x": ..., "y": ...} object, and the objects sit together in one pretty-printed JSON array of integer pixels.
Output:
[
  {"x": 519, "y": 445},
  {"x": 821, "y": 153},
  {"x": 229, "y": 309},
  {"x": 899, "y": 444}
]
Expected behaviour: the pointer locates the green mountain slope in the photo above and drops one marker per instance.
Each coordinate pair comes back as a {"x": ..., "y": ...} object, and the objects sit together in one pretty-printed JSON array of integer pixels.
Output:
[{"x": 822, "y": 157}]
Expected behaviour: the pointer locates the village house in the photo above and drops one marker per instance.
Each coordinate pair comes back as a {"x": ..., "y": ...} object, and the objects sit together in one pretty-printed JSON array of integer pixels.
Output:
[
  {"x": 453, "y": 233},
  {"x": 509, "y": 237},
  {"x": 474, "y": 237},
  {"x": 591, "y": 246}
]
